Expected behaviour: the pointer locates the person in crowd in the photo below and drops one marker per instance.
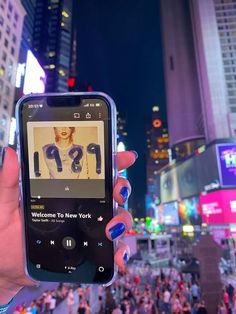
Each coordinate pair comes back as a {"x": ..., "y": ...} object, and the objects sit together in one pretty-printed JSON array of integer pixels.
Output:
[
  {"x": 226, "y": 298},
  {"x": 109, "y": 301},
  {"x": 52, "y": 305},
  {"x": 194, "y": 293},
  {"x": 47, "y": 301},
  {"x": 23, "y": 308},
  {"x": 222, "y": 309},
  {"x": 33, "y": 307},
  {"x": 230, "y": 291},
  {"x": 87, "y": 307},
  {"x": 141, "y": 307},
  {"x": 202, "y": 308},
  {"x": 234, "y": 302},
  {"x": 166, "y": 301},
  {"x": 28, "y": 310},
  {"x": 17, "y": 310},
  {"x": 117, "y": 310},
  {"x": 82, "y": 307},
  {"x": 70, "y": 301},
  {"x": 186, "y": 309},
  {"x": 100, "y": 307}
]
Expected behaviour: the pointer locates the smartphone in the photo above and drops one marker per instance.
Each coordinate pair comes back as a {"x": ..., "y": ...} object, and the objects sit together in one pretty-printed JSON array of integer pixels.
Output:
[{"x": 67, "y": 150}]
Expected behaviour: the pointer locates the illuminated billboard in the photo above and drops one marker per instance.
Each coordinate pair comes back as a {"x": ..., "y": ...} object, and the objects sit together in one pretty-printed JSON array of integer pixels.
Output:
[
  {"x": 219, "y": 207},
  {"x": 226, "y": 154},
  {"x": 160, "y": 214},
  {"x": 190, "y": 211},
  {"x": 171, "y": 217},
  {"x": 207, "y": 169},
  {"x": 35, "y": 77},
  {"x": 169, "y": 186},
  {"x": 187, "y": 178}
]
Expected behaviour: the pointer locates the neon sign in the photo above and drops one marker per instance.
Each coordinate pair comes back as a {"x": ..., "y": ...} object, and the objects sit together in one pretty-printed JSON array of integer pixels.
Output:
[{"x": 227, "y": 164}]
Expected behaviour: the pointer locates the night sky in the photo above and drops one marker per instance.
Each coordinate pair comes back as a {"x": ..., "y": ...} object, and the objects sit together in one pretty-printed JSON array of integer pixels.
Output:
[{"x": 119, "y": 52}]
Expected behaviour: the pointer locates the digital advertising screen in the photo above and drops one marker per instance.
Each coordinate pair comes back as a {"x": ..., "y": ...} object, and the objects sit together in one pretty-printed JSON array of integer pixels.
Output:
[
  {"x": 227, "y": 164},
  {"x": 35, "y": 77},
  {"x": 219, "y": 207},
  {"x": 160, "y": 214},
  {"x": 207, "y": 168},
  {"x": 169, "y": 186},
  {"x": 187, "y": 178},
  {"x": 171, "y": 217},
  {"x": 190, "y": 211}
]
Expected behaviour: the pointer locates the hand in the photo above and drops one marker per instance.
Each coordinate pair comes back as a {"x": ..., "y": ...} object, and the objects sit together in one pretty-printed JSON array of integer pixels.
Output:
[{"x": 12, "y": 275}]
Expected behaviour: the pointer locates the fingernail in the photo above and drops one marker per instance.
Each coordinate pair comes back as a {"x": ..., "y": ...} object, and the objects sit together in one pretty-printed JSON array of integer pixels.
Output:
[
  {"x": 3, "y": 155},
  {"x": 117, "y": 230},
  {"x": 135, "y": 153},
  {"x": 124, "y": 192},
  {"x": 126, "y": 258}
]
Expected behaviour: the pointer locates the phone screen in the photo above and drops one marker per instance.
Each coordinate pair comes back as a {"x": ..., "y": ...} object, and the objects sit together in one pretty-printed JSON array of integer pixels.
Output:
[{"x": 66, "y": 154}]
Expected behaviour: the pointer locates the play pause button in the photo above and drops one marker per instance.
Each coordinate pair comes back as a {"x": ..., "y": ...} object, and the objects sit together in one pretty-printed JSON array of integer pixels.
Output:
[{"x": 68, "y": 243}]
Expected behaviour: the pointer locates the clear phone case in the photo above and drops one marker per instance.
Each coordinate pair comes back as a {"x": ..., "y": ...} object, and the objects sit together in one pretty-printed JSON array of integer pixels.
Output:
[{"x": 114, "y": 152}]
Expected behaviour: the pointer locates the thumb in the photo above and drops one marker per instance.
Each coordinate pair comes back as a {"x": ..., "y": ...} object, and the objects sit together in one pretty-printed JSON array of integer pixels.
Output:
[{"x": 9, "y": 179}]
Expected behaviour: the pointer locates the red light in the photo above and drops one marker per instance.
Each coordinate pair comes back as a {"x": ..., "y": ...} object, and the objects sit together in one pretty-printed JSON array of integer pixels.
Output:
[
  {"x": 71, "y": 82},
  {"x": 157, "y": 123},
  {"x": 90, "y": 89}
]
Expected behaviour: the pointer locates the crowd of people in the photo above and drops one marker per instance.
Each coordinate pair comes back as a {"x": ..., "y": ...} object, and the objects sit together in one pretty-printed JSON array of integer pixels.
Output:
[
  {"x": 166, "y": 291},
  {"x": 138, "y": 290},
  {"x": 46, "y": 303}
]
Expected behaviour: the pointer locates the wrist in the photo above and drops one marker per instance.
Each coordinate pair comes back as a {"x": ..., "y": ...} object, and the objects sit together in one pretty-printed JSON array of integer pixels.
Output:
[{"x": 7, "y": 291}]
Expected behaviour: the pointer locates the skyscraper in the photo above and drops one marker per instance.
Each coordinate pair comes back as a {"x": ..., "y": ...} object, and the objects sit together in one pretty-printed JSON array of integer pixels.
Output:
[
  {"x": 28, "y": 26},
  {"x": 25, "y": 45},
  {"x": 199, "y": 61},
  {"x": 217, "y": 19},
  {"x": 11, "y": 22},
  {"x": 157, "y": 157},
  {"x": 121, "y": 130},
  {"x": 52, "y": 41}
]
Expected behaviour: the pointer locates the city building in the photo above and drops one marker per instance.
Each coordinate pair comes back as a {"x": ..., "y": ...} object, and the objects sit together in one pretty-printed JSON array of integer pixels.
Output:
[
  {"x": 121, "y": 130},
  {"x": 28, "y": 27},
  {"x": 199, "y": 48},
  {"x": 52, "y": 41},
  {"x": 11, "y": 23},
  {"x": 158, "y": 156},
  {"x": 215, "y": 21},
  {"x": 199, "y": 63},
  {"x": 25, "y": 46}
]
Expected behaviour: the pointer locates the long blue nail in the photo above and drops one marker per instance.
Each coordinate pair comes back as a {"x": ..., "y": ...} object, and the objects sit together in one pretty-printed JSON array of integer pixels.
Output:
[
  {"x": 3, "y": 155},
  {"x": 135, "y": 153},
  {"x": 126, "y": 258},
  {"x": 124, "y": 192},
  {"x": 117, "y": 230}
]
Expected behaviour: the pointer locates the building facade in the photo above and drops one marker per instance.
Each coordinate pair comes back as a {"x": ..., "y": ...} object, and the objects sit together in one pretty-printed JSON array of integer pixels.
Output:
[
  {"x": 199, "y": 62},
  {"x": 52, "y": 41},
  {"x": 226, "y": 22},
  {"x": 26, "y": 45},
  {"x": 11, "y": 23}
]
